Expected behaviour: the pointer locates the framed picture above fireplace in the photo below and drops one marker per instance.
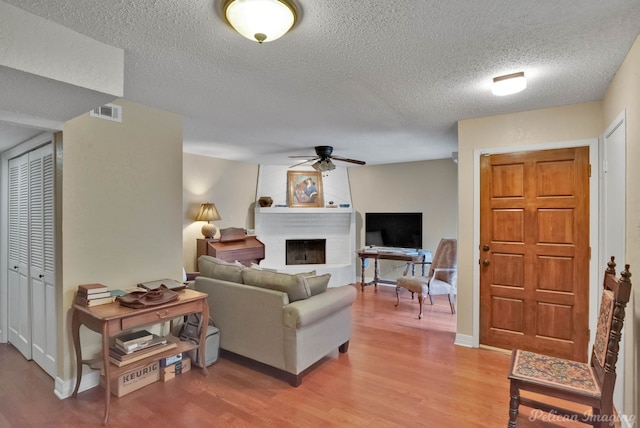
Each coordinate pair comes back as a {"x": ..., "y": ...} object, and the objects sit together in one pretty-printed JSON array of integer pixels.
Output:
[{"x": 304, "y": 189}]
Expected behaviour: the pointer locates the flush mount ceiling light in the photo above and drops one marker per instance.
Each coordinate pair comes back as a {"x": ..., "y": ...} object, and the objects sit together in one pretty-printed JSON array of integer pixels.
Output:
[
  {"x": 260, "y": 20},
  {"x": 509, "y": 84}
]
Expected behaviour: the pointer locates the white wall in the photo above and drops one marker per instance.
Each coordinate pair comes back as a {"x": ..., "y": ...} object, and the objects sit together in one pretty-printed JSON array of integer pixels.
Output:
[{"x": 624, "y": 93}]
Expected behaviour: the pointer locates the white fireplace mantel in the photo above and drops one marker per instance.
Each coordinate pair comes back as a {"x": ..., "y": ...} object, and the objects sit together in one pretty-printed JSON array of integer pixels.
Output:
[{"x": 275, "y": 225}]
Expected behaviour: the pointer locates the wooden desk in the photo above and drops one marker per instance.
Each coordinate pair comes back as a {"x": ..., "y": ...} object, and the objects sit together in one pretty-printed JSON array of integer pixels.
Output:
[
  {"x": 410, "y": 258},
  {"x": 112, "y": 319}
]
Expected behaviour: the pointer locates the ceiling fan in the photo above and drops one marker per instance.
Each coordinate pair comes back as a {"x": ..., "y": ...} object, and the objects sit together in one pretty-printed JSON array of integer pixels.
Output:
[{"x": 324, "y": 159}]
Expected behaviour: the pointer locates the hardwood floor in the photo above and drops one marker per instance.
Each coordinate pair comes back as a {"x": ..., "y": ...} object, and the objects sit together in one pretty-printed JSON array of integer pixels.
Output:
[{"x": 399, "y": 372}]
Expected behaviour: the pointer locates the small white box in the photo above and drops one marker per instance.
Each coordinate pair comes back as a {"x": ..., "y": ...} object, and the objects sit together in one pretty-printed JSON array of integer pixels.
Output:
[{"x": 166, "y": 362}]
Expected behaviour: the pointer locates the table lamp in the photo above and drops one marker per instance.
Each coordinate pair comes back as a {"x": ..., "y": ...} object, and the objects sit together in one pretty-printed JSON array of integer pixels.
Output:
[{"x": 208, "y": 213}]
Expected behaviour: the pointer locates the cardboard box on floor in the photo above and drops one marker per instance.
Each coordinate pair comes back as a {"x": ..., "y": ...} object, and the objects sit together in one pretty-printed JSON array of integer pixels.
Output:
[
  {"x": 134, "y": 379},
  {"x": 175, "y": 369}
]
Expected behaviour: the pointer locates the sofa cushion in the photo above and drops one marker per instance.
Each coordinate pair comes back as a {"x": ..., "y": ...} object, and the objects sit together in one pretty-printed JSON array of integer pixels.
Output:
[
  {"x": 317, "y": 283},
  {"x": 219, "y": 269},
  {"x": 294, "y": 285}
]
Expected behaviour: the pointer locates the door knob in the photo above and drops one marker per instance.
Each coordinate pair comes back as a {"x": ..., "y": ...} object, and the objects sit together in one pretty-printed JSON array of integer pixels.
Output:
[
  {"x": 41, "y": 276},
  {"x": 485, "y": 263},
  {"x": 485, "y": 248}
]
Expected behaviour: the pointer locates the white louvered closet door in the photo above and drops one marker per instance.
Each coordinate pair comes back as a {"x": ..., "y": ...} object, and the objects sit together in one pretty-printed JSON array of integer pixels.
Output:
[
  {"x": 42, "y": 258},
  {"x": 31, "y": 257},
  {"x": 18, "y": 256}
]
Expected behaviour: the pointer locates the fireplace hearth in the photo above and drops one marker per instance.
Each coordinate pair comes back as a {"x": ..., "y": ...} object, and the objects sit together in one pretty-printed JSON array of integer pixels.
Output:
[{"x": 305, "y": 251}]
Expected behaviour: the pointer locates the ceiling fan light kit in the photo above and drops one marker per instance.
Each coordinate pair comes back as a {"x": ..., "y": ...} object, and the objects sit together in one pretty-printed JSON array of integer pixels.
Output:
[
  {"x": 261, "y": 20},
  {"x": 324, "y": 165},
  {"x": 509, "y": 84}
]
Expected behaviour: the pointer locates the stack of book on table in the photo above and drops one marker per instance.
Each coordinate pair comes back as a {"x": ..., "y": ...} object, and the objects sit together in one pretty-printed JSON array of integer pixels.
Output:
[
  {"x": 94, "y": 294},
  {"x": 131, "y": 347}
]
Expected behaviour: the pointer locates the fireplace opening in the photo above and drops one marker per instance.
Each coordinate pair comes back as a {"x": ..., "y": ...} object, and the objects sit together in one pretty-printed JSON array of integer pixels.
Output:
[{"x": 305, "y": 251}]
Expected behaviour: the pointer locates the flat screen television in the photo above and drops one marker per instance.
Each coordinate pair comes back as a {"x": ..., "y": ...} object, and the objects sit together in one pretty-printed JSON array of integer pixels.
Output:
[{"x": 402, "y": 230}]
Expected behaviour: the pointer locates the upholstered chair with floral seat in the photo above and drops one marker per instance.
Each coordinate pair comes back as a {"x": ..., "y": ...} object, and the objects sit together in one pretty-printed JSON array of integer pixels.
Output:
[
  {"x": 589, "y": 383},
  {"x": 442, "y": 277}
]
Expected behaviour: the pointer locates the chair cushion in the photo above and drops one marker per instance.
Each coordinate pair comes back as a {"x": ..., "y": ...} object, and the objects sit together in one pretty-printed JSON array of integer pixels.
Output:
[
  {"x": 415, "y": 284},
  {"x": 604, "y": 326},
  {"x": 212, "y": 267},
  {"x": 554, "y": 371}
]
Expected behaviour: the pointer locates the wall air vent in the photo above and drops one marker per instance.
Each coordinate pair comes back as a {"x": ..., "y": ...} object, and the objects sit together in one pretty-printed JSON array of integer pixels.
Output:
[{"x": 108, "y": 111}]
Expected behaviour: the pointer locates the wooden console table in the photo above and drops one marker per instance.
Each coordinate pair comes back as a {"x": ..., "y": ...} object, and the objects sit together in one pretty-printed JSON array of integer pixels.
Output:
[
  {"x": 246, "y": 251},
  {"x": 112, "y": 319},
  {"x": 411, "y": 258}
]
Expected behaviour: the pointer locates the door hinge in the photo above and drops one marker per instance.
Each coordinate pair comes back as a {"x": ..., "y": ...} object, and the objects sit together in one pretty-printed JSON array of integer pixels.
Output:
[
  {"x": 589, "y": 253},
  {"x": 589, "y": 170}
]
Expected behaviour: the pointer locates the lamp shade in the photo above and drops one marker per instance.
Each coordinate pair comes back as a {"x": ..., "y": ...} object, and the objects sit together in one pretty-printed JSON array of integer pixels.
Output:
[
  {"x": 509, "y": 84},
  {"x": 260, "y": 20},
  {"x": 208, "y": 212}
]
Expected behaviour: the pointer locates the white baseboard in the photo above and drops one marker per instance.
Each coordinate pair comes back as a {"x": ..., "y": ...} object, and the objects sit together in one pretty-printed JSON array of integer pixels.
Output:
[
  {"x": 64, "y": 388},
  {"x": 464, "y": 340}
]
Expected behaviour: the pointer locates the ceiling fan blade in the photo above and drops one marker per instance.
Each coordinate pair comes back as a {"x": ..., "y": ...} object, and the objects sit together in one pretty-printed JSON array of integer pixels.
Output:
[
  {"x": 359, "y": 162},
  {"x": 302, "y": 163},
  {"x": 310, "y": 157}
]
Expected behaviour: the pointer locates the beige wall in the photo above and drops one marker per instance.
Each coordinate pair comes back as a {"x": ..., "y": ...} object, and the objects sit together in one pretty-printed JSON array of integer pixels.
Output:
[
  {"x": 567, "y": 123},
  {"x": 429, "y": 187},
  {"x": 624, "y": 93},
  {"x": 228, "y": 184},
  {"x": 121, "y": 211}
]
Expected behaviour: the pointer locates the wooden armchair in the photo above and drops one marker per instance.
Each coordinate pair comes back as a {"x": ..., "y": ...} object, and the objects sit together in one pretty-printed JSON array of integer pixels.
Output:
[
  {"x": 442, "y": 278},
  {"x": 590, "y": 383}
]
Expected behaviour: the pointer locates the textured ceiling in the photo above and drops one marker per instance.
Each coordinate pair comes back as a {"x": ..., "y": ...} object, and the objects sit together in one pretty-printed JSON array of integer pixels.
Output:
[{"x": 382, "y": 81}]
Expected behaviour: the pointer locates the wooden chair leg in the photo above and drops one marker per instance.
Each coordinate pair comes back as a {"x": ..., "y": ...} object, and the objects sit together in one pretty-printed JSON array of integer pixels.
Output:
[
  {"x": 397, "y": 296},
  {"x": 452, "y": 304},
  {"x": 514, "y": 403},
  {"x": 420, "y": 300}
]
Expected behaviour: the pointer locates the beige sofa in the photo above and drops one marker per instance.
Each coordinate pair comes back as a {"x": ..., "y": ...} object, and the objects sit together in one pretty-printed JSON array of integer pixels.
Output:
[{"x": 285, "y": 321}]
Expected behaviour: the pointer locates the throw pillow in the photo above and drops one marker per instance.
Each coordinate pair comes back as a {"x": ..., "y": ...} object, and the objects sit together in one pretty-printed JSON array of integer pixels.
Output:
[
  {"x": 293, "y": 285},
  {"x": 212, "y": 267},
  {"x": 318, "y": 283},
  {"x": 312, "y": 273}
]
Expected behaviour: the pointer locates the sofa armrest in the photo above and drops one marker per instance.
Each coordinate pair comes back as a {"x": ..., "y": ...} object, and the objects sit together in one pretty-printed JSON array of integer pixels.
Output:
[{"x": 305, "y": 312}]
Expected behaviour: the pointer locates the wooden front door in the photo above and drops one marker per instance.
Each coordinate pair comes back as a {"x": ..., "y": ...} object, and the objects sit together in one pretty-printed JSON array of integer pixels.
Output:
[{"x": 534, "y": 251}]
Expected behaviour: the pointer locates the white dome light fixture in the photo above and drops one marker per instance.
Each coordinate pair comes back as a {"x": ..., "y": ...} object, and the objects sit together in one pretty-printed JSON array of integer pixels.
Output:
[
  {"x": 509, "y": 84},
  {"x": 261, "y": 20}
]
